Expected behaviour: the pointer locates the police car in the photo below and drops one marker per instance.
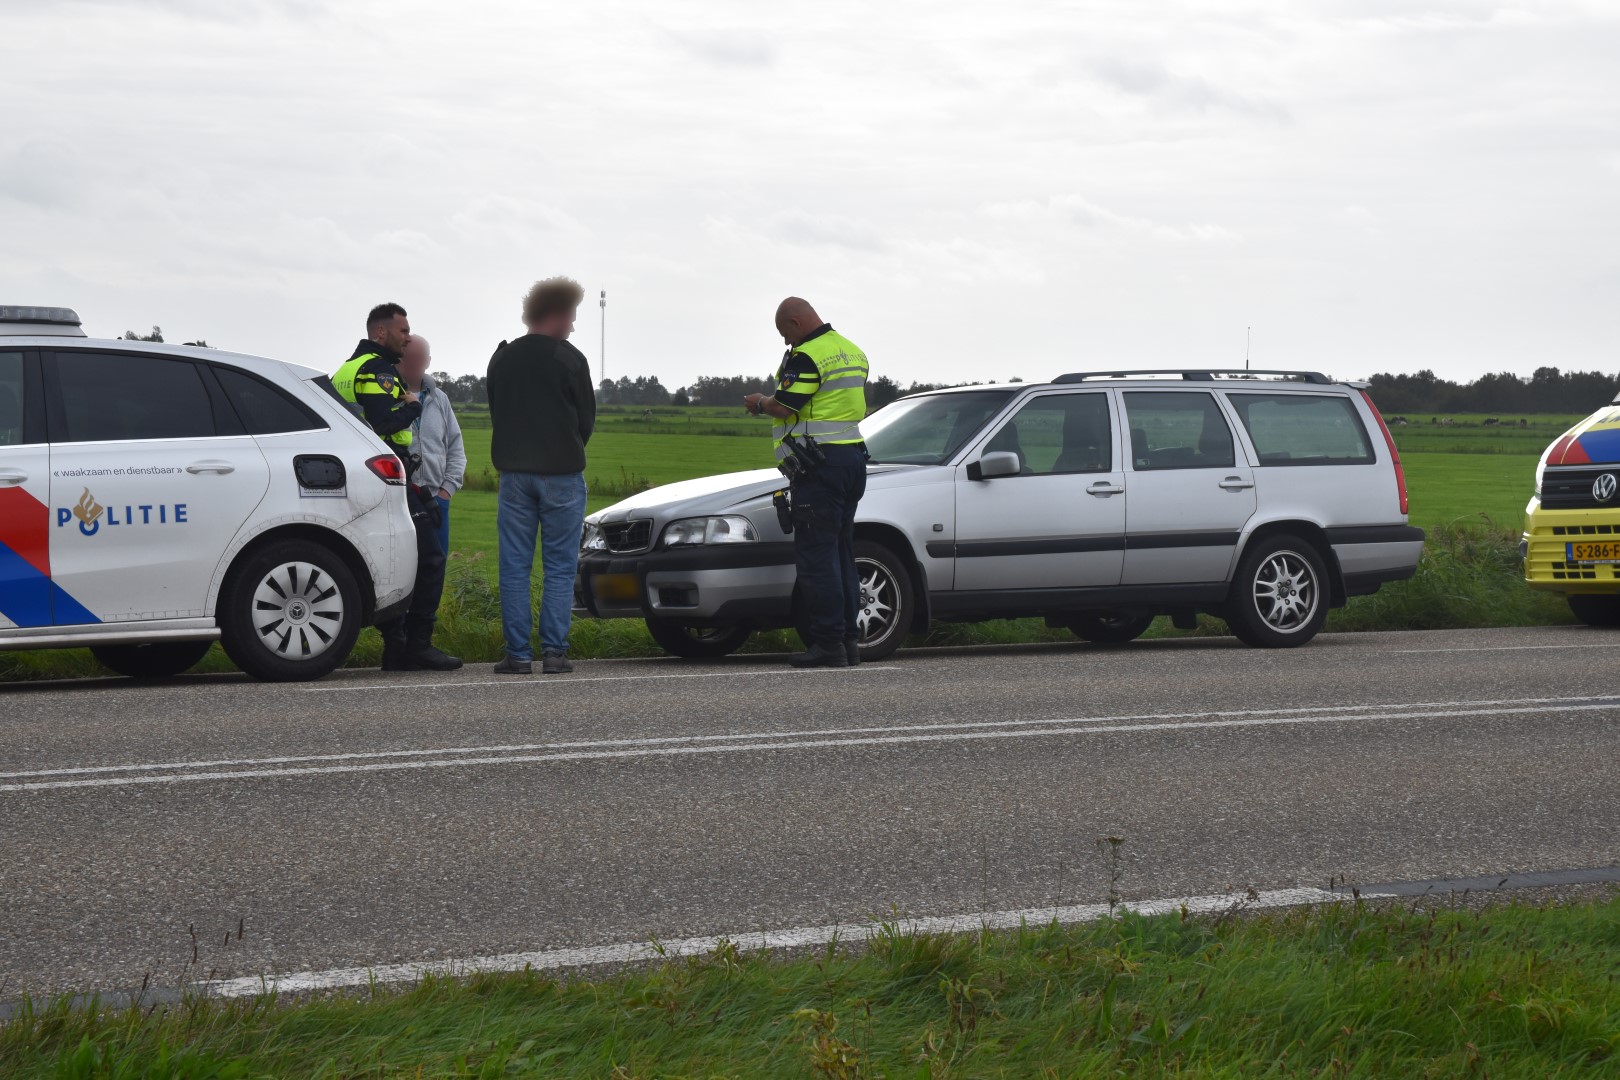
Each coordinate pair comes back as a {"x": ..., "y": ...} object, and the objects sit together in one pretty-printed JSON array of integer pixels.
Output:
[
  {"x": 155, "y": 498},
  {"x": 1571, "y": 542}
]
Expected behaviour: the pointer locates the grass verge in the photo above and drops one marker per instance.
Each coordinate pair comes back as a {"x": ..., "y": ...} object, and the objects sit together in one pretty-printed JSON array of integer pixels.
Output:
[
  {"x": 1345, "y": 990},
  {"x": 1469, "y": 577}
]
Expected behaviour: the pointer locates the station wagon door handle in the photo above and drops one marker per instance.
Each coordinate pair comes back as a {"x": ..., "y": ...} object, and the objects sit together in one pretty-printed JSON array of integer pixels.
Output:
[
  {"x": 210, "y": 466},
  {"x": 1103, "y": 487},
  {"x": 12, "y": 477},
  {"x": 1236, "y": 483}
]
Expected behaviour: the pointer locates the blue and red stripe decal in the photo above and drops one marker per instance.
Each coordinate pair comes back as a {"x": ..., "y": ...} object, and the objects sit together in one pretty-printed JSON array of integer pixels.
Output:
[{"x": 28, "y": 596}]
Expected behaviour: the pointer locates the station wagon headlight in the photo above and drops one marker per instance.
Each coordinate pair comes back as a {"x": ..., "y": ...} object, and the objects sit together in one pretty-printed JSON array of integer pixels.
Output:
[
  {"x": 592, "y": 539},
  {"x": 732, "y": 529}
]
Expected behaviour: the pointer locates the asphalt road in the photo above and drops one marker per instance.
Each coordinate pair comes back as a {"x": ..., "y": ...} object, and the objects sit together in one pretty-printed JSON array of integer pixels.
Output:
[{"x": 375, "y": 819}]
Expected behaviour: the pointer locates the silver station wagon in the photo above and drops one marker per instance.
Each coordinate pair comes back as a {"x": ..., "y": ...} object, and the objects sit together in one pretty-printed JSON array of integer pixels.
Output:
[{"x": 1097, "y": 501}]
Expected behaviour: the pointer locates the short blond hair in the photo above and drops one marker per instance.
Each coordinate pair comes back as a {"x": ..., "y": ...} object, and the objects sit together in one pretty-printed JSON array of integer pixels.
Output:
[{"x": 551, "y": 297}]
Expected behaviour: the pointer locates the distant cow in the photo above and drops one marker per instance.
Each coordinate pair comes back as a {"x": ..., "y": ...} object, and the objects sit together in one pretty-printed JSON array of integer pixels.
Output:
[
  {"x": 1491, "y": 421},
  {"x": 1523, "y": 422},
  {"x": 1445, "y": 421},
  {"x": 1400, "y": 421}
]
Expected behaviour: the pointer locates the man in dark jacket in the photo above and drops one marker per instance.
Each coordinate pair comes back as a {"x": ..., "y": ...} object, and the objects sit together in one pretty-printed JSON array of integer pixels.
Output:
[
  {"x": 541, "y": 411},
  {"x": 370, "y": 381}
]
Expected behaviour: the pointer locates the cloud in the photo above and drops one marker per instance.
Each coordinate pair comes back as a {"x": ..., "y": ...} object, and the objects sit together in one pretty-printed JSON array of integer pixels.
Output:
[
  {"x": 1155, "y": 82},
  {"x": 43, "y": 173},
  {"x": 1079, "y": 210},
  {"x": 725, "y": 48}
]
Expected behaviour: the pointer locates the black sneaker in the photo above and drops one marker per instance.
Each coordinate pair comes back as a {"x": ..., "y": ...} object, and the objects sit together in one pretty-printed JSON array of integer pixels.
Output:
[
  {"x": 820, "y": 656},
  {"x": 852, "y": 652},
  {"x": 511, "y": 665},
  {"x": 555, "y": 663},
  {"x": 428, "y": 658}
]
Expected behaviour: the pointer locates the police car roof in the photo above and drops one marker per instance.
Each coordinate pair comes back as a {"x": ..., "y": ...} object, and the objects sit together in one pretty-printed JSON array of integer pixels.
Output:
[{"x": 261, "y": 365}]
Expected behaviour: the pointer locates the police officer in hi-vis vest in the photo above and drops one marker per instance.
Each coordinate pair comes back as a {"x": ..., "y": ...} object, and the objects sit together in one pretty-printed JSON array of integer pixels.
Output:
[
  {"x": 819, "y": 403},
  {"x": 370, "y": 381}
]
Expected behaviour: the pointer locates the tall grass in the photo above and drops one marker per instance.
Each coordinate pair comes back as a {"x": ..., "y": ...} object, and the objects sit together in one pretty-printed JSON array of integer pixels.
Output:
[{"x": 1340, "y": 991}]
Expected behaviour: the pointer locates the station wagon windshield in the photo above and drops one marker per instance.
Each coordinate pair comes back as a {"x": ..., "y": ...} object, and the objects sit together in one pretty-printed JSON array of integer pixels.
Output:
[{"x": 927, "y": 430}]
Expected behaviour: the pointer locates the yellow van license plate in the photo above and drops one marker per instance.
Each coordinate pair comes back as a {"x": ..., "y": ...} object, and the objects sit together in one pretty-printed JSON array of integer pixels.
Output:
[{"x": 1592, "y": 553}]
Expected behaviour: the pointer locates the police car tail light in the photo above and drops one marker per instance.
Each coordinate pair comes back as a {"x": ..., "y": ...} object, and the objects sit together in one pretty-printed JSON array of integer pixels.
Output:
[{"x": 388, "y": 468}]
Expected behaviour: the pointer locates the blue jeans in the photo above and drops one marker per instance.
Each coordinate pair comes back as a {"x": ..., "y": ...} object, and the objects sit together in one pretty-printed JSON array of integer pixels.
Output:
[
  {"x": 824, "y": 544},
  {"x": 554, "y": 506},
  {"x": 444, "y": 524}
]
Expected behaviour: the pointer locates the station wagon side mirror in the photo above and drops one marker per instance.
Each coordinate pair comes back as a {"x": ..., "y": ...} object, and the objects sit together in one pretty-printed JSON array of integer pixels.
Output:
[{"x": 992, "y": 465}]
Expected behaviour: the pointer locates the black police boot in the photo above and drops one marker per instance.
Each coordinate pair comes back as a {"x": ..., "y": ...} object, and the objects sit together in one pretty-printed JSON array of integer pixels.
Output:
[
  {"x": 423, "y": 656},
  {"x": 820, "y": 656},
  {"x": 852, "y": 652},
  {"x": 394, "y": 654}
]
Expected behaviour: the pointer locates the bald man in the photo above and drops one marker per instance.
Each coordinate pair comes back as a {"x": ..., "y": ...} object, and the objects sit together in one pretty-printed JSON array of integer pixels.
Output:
[
  {"x": 438, "y": 435},
  {"x": 819, "y": 403}
]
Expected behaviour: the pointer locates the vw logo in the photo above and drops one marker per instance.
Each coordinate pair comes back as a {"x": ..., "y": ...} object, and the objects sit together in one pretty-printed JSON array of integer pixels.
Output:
[{"x": 1603, "y": 487}]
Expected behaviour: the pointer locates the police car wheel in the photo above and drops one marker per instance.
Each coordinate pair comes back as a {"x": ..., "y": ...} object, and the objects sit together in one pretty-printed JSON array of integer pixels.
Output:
[
  {"x": 290, "y": 612},
  {"x": 156, "y": 660},
  {"x": 887, "y": 604},
  {"x": 697, "y": 642},
  {"x": 1595, "y": 610},
  {"x": 1109, "y": 627}
]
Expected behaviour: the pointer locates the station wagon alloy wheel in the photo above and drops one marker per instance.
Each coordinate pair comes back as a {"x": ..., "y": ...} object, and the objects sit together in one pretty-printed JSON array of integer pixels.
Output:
[
  {"x": 1277, "y": 599},
  {"x": 876, "y": 615},
  {"x": 297, "y": 610}
]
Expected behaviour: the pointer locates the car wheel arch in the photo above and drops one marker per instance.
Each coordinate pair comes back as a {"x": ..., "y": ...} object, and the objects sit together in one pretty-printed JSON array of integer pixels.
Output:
[
  {"x": 895, "y": 540},
  {"x": 339, "y": 544},
  {"x": 1305, "y": 530}
]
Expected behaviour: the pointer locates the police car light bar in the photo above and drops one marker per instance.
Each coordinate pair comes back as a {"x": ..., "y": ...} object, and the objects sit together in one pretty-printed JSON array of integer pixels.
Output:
[{"x": 57, "y": 316}]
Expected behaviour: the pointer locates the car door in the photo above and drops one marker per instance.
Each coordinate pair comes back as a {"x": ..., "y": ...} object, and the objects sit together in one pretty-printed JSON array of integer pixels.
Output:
[
  {"x": 1191, "y": 492},
  {"x": 25, "y": 480},
  {"x": 1059, "y": 523},
  {"x": 152, "y": 475}
]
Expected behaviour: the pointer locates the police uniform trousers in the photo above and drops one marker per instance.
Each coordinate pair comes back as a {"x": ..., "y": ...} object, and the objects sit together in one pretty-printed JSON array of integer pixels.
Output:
[
  {"x": 824, "y": 504},
  {"x": 415, "y": 627}
]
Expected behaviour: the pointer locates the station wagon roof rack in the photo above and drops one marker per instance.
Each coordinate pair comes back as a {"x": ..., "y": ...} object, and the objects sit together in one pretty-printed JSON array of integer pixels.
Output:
[{"x": 1204, "y": 375}]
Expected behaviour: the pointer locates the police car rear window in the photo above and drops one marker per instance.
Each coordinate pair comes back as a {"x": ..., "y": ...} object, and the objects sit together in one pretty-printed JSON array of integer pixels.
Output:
[
  {"x": 264, "y": 409},
  {"x": 11, "y": 398},
  {"x": 119, "y": 397}
]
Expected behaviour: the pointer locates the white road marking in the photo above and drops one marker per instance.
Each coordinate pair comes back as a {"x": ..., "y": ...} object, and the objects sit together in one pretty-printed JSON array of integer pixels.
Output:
[
  {"x": 219, "y": 763},
  {"x": 515, "y": 680},
  {"x": 791, "y": 938},
  {"x": 1506, "y": 648},
  {"x": 820, "y": 740}
]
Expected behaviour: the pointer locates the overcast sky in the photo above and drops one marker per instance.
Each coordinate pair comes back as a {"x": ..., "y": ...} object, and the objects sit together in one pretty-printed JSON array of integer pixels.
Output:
[{"x": 968, "y": 190}]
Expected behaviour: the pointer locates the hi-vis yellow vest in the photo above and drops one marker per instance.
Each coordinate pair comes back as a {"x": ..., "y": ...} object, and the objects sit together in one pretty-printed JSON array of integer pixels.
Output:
[
  {"x": 834, "y": 413},
  {"x": 351, "y": 384}
]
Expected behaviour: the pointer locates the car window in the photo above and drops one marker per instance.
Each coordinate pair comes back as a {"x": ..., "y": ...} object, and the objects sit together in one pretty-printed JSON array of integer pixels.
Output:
[
  {"x": 1303, "y": 429},
  {"x": 118, "y": 396},
  {"x": 264, "y": 409},
  {"x": 1180, "y": 429},
  {"x": 11, "y": 398},
  {"x": 929, "y": 429},
  {"x": 1059, "y": 433}
]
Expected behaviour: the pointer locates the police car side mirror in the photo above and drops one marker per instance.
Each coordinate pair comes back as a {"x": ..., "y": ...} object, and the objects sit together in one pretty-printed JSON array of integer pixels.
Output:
[{"x": 999, "y": 463}]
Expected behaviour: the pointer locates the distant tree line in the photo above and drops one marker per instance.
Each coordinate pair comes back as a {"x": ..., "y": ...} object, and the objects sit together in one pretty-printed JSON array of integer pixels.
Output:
[
  {"x": 1548, "y": 390},
  {"x": 647, "y": 390}
]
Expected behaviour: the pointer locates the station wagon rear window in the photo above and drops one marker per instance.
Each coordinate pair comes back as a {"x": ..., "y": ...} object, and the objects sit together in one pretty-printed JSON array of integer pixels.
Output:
[{"x": 1303, "y": 429}]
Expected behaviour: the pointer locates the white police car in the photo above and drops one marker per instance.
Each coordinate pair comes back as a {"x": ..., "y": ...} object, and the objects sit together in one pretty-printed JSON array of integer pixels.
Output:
[{"x": 155, "y": 498}]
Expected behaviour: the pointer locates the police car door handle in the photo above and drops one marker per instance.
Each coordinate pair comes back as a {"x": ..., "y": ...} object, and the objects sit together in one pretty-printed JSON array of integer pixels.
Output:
[
  {"x": 12, "y": 477},
  {"x": 210, "y": 466},
  {"x": 1236, "y": 483},
  {"x": 1104, "y": 488}
]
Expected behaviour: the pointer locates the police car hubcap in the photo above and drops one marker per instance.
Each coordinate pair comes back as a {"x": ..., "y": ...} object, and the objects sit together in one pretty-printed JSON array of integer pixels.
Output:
[{"x": 297, "y": 610}]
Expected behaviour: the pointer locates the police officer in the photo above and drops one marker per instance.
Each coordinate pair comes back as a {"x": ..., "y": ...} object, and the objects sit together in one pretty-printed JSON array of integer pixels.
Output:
[
  {"x": 370, "y": 381},
  {"x": 820, "y": 401}
]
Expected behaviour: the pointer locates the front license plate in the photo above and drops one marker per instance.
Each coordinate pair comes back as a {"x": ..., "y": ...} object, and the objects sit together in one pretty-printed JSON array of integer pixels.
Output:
[
  {"x": 617, "y": 587},
  {"x": 1592, "y": 553}
]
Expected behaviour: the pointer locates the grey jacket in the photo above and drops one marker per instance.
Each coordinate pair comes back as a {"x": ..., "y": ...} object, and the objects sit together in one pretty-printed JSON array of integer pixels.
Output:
[{"x": 438, "y": 441}]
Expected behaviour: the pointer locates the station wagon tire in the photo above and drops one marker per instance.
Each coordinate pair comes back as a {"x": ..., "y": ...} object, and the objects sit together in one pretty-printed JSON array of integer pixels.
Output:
[
  {"x": 888, "y": 602},
  {"x": 154, "y": 660},
  {"x": 1109, "y": 627},
  {"x": 697, "y": 642},
  {"x": 290, "y": 612},
  {"x": 1595, "y": 610},
  {"x": 1279, "y": 598}
]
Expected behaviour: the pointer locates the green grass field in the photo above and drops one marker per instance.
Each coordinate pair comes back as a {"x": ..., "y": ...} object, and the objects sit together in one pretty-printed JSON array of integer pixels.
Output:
[{"x": 1342, "y": 991}]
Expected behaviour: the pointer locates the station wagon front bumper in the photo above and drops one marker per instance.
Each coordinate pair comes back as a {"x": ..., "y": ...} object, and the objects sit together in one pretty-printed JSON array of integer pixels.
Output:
[{"x": 719, "y": 585}]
